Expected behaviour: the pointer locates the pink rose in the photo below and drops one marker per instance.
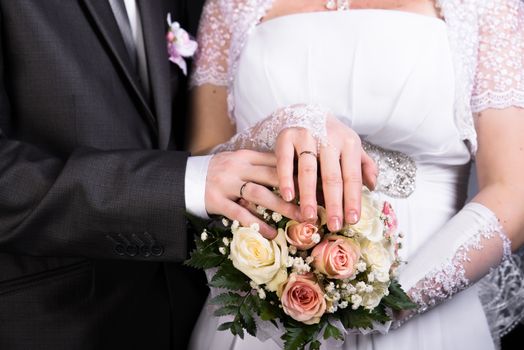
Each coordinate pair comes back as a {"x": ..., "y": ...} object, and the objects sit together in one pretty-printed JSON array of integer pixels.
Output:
[
  {"x": 303, "y": 299},
  {"x": 302, "y": 235},
  {"x": 391, "y": 219},
  {"x": 336, "y": 256}
]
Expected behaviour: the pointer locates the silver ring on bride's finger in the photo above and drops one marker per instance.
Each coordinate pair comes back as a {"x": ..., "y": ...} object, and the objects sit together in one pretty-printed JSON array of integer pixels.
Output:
[
  {"x": 311, "y": 153},
  {"x": 242, "y": 188}
]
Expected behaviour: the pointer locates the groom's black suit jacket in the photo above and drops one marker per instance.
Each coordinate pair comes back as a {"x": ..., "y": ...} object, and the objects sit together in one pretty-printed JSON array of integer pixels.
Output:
[{"x": 92, "y": 225}]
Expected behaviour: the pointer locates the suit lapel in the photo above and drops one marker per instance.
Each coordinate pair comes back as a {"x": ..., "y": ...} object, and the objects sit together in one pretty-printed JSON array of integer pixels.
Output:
[
  {"x": 104, "y": 20},
  {"x": 154, "y": 27}
]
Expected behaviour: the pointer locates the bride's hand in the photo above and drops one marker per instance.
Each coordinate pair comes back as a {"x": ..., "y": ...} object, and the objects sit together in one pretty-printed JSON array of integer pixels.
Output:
[
  {"x": 243, "y": 175},
  {"x": 344, "y": 167}
]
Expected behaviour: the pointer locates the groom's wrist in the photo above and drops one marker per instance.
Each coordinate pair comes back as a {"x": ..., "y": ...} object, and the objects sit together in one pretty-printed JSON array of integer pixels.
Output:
[{"x": 195, "y": 185}]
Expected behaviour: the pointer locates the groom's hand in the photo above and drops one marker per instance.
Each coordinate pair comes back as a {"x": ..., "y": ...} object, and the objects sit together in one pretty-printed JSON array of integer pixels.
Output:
[
  {"x": 244, "y": 175},
  {"x": 344, "y": 168}
]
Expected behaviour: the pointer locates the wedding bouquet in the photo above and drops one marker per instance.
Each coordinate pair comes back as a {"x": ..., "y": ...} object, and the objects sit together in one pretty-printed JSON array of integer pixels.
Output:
[{"x": 308, "y": 282}]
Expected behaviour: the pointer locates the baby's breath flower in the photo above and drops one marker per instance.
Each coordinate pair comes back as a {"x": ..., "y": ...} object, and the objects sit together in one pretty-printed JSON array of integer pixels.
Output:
[
  {"x": 222, "y": 250},
  {"x": 361, "y": 286},
  {"x": 225, "y": 240},
  {"x": 255, "y": 227},
  {"x": 261, "y": 293},
  {"x": 315, "y": 238},
  {"x": 343, "y": 304},
  {"x": 356, "y": 300},
  {"x": 330, "y": 287},
  {"x": 276, "y": 217},
  {"x": 292, "y": 249},
  {"x": 331, "y": 309},
  {"x": 235, "y": 225},
  {"x": 225, "y": 222},
  {"x": 260, "y": 210},
  {"x": 253, "y": 284},
  {"x": 204, "y": 235},
  {"x": 361, "y": 266},
  {"x": 309, "y": 260}
]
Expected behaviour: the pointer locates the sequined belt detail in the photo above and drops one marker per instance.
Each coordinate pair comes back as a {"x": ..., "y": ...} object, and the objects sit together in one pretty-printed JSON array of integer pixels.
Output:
[{"x": 396, "y": 171}]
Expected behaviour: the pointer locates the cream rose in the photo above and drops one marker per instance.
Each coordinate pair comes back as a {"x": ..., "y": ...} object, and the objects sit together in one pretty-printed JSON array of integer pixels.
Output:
[
  {"x": 336, "y": 256},
  {"x": 303, "y": 299},
  {"x": 370, "y": 225},
  {"x": 379, "y": 258},
  {"x": 262, "y": 260}
]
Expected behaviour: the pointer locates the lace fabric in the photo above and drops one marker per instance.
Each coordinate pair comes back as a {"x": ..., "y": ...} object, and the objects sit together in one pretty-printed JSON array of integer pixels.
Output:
[
  {"x": 486, "y": 36},
  {"x": 480, "y": 252},
  {"x": 263, "y": 136}
]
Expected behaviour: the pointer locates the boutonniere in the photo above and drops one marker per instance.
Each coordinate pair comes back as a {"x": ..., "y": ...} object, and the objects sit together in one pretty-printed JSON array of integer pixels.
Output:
[{"x": 179, "y": 45}]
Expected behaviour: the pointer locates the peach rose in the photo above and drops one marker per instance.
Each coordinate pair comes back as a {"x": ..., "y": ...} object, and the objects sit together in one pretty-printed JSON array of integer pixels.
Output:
[
  {"x": 302, "y": 235},
  {"x": 303, "y": 299},
  {"x": 391, "y": 219},
  {"x": 336, "y": 256}
]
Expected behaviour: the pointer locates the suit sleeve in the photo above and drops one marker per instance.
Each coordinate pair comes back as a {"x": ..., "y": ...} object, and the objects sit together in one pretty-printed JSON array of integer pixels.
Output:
[{"x": 92, "y": 203}]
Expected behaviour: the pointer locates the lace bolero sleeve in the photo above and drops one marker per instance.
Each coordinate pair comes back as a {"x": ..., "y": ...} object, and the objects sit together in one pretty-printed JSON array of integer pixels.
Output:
[
  {"x": 499, "y": 81},
  {"x": 214, "y": 37}
]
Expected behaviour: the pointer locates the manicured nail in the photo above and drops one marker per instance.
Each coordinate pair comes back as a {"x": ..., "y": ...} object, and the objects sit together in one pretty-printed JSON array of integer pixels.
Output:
[
  {"x": 353, "y": 217},
  {"x": 310, "y": 213},
  {"x": 334, "y": 223},
  {"x": 287, "y": 195}
]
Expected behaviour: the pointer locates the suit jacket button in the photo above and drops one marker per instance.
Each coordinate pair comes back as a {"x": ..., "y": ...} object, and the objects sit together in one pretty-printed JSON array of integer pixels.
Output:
[
  {"x": 120, "y": 249},
  {"x": 145, "y": 251},
  {"x": 132, "y": 250},
  {"x": 157, "y": 250}
]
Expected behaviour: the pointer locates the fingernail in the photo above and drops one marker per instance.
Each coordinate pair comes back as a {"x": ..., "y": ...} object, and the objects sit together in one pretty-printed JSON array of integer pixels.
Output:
[
  {"x": 334, "y": 223},
  {"x": 353, "y": 217},
  {"x": 310, "y": 213},
  {"x": 287, "y": 195}
]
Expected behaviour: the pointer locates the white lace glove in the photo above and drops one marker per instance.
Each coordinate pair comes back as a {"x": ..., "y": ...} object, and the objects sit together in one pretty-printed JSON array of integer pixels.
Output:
[
  {"x": 466, "y": 249},
  {"x": 263, "y": 135}
]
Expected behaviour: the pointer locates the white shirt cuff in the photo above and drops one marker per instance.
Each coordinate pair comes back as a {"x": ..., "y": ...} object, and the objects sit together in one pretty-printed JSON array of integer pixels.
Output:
[{"x": 195, "y": 185}]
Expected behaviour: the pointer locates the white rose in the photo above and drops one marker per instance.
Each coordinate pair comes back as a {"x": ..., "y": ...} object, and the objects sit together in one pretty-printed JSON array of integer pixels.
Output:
[
  {"x": 370, "y": 225},
  {"x": 378, "y": 258},
  {"x": 262, "y": 260}
]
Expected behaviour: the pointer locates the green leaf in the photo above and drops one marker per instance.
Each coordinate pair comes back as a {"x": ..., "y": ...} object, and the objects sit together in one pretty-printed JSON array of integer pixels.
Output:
[
  {"x": 226, "y": 310},
  {"x": 359, "y": 318},
  {"x": 237, "y": 329},
  {"x": 397, "y": 298},
  {"x": 228, "y": 277},
  {"x": 298, "y": 335},
  {"x": 227, "y": 299},
  {"x": 248, "y": 322},
  {"x": 315, "y": 345},
  {"x": 225, "y": 326},
  {"x": 204, "y": 259},
  {"x": 332, "y": 332}
]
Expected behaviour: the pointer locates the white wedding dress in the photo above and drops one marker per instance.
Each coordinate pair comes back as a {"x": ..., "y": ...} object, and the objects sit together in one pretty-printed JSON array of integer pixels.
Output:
[{"x": 389, "y": 75}]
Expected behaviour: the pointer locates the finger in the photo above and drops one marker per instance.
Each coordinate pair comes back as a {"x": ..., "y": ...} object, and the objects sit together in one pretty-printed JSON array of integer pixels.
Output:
[
  {"x": 332, "y": 186},
  {"x": 285, "y": 153},
  {"x": 264, "y": 175},
  {"x": 352, "y": 177},
  {"x": 307, "y": 177},
  {"x": 369, "y": 171},
  {"x": 235, "y": 212},
  {"x": 258, "y": 158},
  {"x": 260, "y": 195}
]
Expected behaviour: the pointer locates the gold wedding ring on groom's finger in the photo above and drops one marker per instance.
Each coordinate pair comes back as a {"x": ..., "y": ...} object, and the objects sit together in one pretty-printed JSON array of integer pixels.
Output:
[
  {"x": 242, "y": 188},
  {"x": 311, "y": 153}
]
